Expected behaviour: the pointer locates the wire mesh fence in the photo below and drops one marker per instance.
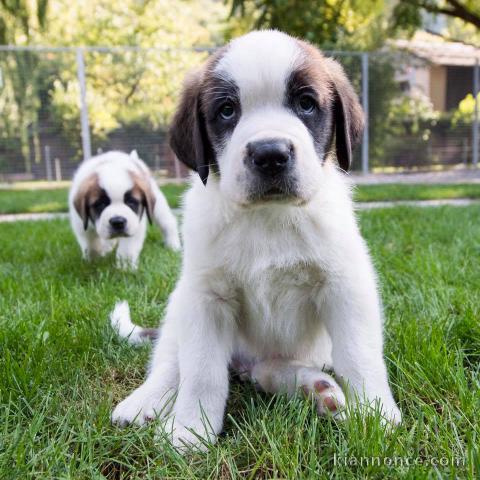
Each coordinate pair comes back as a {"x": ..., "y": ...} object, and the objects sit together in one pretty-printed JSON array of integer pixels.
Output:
[{"x": 61, "y": 105}]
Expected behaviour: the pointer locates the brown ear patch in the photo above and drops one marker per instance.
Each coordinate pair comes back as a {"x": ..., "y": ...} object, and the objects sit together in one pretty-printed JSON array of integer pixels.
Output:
[
  {"x": 348, "y": 114},
  {"x": 329, "y": 79},
  {"x": 142, "y": 191},
  {"x": 188, "y": 134},
  {"x": 87, "y": 194}
]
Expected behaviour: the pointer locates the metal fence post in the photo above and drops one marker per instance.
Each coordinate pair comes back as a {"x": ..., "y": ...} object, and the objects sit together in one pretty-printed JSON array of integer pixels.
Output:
[
  {"x": 48, "y": 163},
  {"x": 475, "y": 136},
  {"x": 86, "y": 144},
  {"x": 365, "y": 139},
  {"x": 178, "y": 174}
]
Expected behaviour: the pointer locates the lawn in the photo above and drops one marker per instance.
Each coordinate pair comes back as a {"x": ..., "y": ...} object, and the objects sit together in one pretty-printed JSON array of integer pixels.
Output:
[
  {"x": 55, "y": 200},
  {"x": 400, "y": 191},
  {"x": 63, "y": 369}
]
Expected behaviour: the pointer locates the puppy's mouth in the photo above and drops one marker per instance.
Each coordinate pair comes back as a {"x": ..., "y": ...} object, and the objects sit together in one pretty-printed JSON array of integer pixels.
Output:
[
  {"x": 274, "y": 192},
  {"x": 284, "y": 191},
  {"x": 118, "y": 235}
]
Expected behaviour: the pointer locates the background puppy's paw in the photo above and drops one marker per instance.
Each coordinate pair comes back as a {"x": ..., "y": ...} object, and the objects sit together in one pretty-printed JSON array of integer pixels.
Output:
[{"x": 126, "y": 264}]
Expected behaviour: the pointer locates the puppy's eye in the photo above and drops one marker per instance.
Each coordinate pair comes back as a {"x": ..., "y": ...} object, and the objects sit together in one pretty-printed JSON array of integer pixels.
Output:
[
  {"x": 132, "y": 202},
  {"x": 227, "y": 111},
  {"x": 307, "y": 104},
  {"x": 101, "y": 203}
]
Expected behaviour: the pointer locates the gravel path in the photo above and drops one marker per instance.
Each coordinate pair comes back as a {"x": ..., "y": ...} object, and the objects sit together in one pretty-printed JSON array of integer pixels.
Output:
[
  {"x": 456, "y": 202},
  {"x": 455, "y": 175},
  {"x": 20, "y": 217}
]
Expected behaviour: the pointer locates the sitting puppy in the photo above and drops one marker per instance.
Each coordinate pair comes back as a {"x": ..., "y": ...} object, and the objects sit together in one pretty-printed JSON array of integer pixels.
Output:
[
  {"x": 276, "y": 281},
  {"x": 111, "y": 197}
]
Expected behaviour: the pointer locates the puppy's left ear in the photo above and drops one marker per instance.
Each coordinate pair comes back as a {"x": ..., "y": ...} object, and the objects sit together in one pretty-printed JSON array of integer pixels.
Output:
[
  {"x": 149, "y": 203},
  {"x": 142, "y": 185},
  {"x": 347, "y": 115},
  {"x": 188, "y": 133}
]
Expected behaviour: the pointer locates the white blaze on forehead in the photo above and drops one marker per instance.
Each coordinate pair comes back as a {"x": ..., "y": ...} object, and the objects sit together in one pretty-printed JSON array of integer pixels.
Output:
[
  {"x": 115, "y": 181},
  {"x": 260, "y": 64}
]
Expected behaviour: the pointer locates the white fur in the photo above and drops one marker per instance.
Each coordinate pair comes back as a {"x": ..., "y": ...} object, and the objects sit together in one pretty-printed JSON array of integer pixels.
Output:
[
  {"x": 263, "y": 113},
  {"x": 113, "y": 170},
  {"x": 278, "y": 290},
  {"x": 121, "y": 322}
]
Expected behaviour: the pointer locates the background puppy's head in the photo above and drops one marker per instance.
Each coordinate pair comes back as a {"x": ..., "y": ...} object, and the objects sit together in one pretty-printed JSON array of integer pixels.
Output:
[
  {"x": 263, "y": 114},
  {"x": 114, "y": 201}
]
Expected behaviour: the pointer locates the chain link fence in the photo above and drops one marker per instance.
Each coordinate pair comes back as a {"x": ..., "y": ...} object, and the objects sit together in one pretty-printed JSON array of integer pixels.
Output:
[{"x": 59, "y": 106}]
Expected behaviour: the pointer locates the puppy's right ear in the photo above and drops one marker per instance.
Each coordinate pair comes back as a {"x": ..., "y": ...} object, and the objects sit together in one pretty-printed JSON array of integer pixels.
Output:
[
  {"x": 81, "y": 206},
  {"x": 81, "y": 200},
  {"x": 188, "y": 132},
  {"x": 348, "y": 115}
]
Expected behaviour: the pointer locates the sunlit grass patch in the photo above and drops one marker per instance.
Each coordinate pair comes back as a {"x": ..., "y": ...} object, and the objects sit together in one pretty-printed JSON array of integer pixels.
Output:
[{"x": 63, "y": 369}]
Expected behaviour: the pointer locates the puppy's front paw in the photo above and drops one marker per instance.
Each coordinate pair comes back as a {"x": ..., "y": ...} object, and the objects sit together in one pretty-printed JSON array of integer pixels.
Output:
[
  {"x": 173, "y": 242},
  {"x": 126, "y": 264},
  {"x": 141, "y": 406},
  {"x": 188, "y": 439},
  {"x": 391, "y": 415},
  {"x": 328, "y": 396}
]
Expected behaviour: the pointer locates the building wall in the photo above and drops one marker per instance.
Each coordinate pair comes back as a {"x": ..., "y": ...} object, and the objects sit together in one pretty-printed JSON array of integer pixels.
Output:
[
  {"x": 438, "y": 87},
  {"x": 420, "y": 81}
]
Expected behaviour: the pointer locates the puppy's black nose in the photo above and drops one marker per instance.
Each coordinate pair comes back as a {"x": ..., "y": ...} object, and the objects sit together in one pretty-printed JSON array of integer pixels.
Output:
[
  {"x": 118, "y": 223},
  {"x": 270, "y": 157}
]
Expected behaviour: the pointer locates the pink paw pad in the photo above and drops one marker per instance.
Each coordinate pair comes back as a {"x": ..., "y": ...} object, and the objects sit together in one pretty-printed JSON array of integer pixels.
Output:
[
  {"x": 326, "y": 396},
  {"x": 321, "y": 385}
]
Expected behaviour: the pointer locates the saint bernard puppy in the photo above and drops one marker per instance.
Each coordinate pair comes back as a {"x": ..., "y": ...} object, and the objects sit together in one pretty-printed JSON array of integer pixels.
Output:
[
  {"x": 110, "y": 199},
  {"x": 277, "y": 281}
]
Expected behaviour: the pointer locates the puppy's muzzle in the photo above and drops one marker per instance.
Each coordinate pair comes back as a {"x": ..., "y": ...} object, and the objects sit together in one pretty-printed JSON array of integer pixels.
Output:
[
  {"x": 270, "y": 157},
  {"x": 271, "y": 165},
  {"x": 118, "y": 225}
]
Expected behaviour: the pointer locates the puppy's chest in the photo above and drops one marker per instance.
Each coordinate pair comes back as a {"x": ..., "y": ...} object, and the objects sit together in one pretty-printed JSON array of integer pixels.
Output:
[
  {"x": 278, "y": 306},
  {"x": 277, "y": 289},
  {"x": 277, "y": 276}
]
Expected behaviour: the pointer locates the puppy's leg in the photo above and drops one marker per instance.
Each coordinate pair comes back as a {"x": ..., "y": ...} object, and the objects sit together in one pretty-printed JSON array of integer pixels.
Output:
[
  {"x": 87, "y": 251},
  {"x": 129, "y": 248},
  {"x": 87, "y": 240},
  {"x": 155, "y": 396},
  {"x": 288, "y": 376},
  {"x": 165, "y": 219},
  {"x": 205, "y": 346},
  {"x": 93, "y": 246},
  {"x": 104, "y": 247},
  {"x": 352, "y": 312}
]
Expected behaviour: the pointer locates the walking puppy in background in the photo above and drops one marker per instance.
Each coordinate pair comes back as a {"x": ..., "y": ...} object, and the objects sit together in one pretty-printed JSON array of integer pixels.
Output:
[
  {"x": 111, "y": 197},
  {"x": 277, "y": 281}
]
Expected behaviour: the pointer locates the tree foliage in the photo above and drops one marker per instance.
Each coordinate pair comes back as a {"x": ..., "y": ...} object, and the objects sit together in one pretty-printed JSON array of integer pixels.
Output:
[
  {"x": 408, "y": 13},
  {"x": 128, "y": 86},
  {"x": 20, "y": 20},
  {"x": 124, "y": 87},
  {"x": 333, "y": 24}
]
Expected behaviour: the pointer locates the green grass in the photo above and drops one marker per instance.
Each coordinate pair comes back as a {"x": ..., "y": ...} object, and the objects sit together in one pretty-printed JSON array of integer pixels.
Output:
[
  {"x": 55, "y": 200},
  {"x": 62, "y": 369},
  {"x": 399, "y": 191}
]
